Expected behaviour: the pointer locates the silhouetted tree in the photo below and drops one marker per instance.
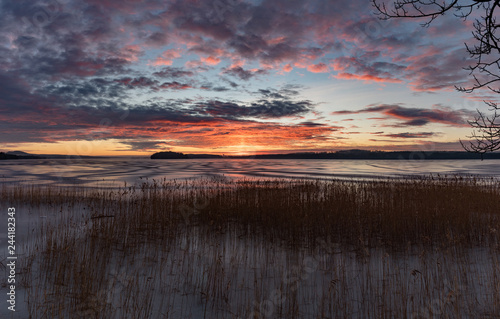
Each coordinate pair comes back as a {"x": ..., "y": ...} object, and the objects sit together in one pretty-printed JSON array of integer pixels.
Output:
[
  {"x": 486, "y": 53},
  {"x": 487, "y": 137}
]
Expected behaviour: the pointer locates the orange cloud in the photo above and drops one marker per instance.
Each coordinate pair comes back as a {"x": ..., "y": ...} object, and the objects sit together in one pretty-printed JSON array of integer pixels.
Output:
[
  {"x": 232, "y": 136},
  {"x": 237, "y": 63},
  {"x": 131, "y": 53},
  {"x": 318, "y": 68},
  {"x": 277, "y": 40},
  {"x": 210, "y": 60},
  {"x": 366, "y": 77},
  {"x": 167, "y": 57}
]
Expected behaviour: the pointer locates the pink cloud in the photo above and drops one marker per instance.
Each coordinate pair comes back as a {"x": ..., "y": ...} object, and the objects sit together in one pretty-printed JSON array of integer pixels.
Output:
[
  {"x": 175, "y": 86},
  {"x": 210, "y": 60},
  {"x": 318, "y": 68},
  {"x": 275, "y": 41},
  {"x": 437, "y": 69},
  {"x": 237, "y": 63},
  {"x": 367, "y": 68},
  {"x": 131, "y": 53},
  {"x": 167, "y": 57},
  {"x": 365, "y": 77}
]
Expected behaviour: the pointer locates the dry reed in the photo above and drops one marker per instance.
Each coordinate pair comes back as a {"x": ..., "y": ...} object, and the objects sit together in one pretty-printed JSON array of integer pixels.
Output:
[{"x": 219, "y": 248}]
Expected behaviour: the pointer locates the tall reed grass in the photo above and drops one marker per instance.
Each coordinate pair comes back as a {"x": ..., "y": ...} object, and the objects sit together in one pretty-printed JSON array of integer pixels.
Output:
[{"x": 221, "y": 248}]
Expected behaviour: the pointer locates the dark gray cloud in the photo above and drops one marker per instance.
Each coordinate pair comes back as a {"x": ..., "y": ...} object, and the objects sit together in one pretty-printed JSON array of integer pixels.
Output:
[
  {"x": 260, "y": 109},
  {"x": 242, "y": 73},
  {"x": 155, "y": 85},
  {"x": 211, "y": 87},
  {"x": 416, "y": 116},
  {"x": 288, "y": 91},
  {"x": 141, "y": 82},
  {"x": 173, "y": 73},
  {"x": 408, "y": 135},
  {"x": 157, "y": 39},
  {"x": 269, "y": 93},
  {"x": 311, "y": 124}
]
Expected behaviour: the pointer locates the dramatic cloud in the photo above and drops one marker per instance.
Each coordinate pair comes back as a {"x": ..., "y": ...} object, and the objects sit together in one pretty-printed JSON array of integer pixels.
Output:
[
  {"x": 438, "y": 70},
  {"x": 261, "y": 109},
  {"x": 210, "y": 60},
  {"x": 154, "y": 85},
  {"x": 318, "y": 68},
  {"x": 243, "y": 74},
  {"x": 410, "y": 135},
  {"x": 416, "y": 116},
  {"x": 245, "y": 68},
  {"x": 366, "y": 77},
  {"x": 366, "y": 70},
  {"x": 167, "y": 57},
  {"x": 311, "y": 124},
  {"x": 141, "y": 82},
  {"x": 286, "y": 92},
  {"x": 85, "y": 38},
  {"x": 171, "y": 72},
  {"x": 97, "y": 110}
]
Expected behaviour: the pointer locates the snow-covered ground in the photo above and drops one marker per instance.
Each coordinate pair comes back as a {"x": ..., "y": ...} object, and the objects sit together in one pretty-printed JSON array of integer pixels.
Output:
[{"x": 205, "y": 273}]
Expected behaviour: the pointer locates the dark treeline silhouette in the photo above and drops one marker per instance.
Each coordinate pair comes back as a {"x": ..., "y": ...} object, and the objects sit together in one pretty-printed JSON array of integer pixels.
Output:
[
  {"x": 168, "y": 155},
  {"x": 347, "y": 154},
  {"x": 6, "y": 156},
  {"x": 175, "y": 155}
]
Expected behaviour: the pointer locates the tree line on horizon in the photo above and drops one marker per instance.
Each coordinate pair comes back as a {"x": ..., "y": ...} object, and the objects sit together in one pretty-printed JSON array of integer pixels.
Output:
[{"x": 343, "y": 154}]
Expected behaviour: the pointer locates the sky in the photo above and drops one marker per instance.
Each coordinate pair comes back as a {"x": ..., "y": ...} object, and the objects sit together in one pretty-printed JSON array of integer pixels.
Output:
[{"x": 132, "y": 77}]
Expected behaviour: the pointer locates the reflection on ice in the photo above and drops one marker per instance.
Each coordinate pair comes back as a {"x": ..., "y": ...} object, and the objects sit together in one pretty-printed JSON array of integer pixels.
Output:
[{"x": 111, "y": 172}]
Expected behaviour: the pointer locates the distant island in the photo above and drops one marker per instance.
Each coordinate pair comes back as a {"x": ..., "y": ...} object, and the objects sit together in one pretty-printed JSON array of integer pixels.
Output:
[
  {"x": 17, "y": 155},
  {"x": 175, "y": 155},
  {"x": 345, "y": 154},
  {"x": 168, "y": 155}
]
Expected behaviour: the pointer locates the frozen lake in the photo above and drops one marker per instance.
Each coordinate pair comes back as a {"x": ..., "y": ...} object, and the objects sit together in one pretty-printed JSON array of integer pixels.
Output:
[
  {"x": 116, "y": 171},
  {"x": 343, "y": 281}
]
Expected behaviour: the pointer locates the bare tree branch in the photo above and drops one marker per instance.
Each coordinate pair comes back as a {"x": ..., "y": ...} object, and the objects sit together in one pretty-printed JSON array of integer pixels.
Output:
[{"x": 486, "y": 53}]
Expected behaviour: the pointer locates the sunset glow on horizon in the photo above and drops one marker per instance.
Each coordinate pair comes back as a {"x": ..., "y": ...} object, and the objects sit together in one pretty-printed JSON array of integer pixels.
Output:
[{"x": 228, "y": 77}]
